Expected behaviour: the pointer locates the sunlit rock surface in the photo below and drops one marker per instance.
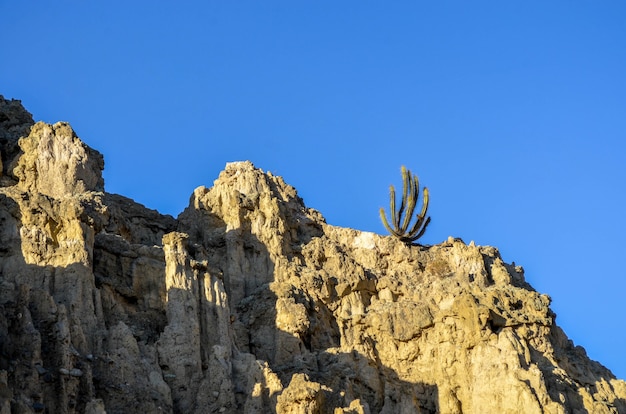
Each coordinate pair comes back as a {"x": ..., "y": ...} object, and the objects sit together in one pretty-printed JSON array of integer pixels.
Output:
[{"x": 249, "y": 302}]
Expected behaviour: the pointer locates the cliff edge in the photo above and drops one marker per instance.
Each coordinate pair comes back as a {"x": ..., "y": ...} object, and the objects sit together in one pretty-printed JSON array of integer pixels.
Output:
[{"x": 249, "y": 302}]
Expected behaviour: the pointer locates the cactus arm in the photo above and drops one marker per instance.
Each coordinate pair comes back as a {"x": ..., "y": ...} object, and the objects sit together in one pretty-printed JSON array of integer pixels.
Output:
[
  {"x": 422, "y": 216},
  {"x": 406, "y": 177},
  {"x": 392, "y": 205},
  {"x": 421, "y": 233},
  {"x": 425, "y": 200},
  {"x": 383, "y": 217},
  {"x": 411, "y": 202}
]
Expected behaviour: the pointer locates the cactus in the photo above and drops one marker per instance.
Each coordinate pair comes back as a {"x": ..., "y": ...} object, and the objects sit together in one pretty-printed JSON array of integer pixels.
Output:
[{"x": 401, "y": 219}]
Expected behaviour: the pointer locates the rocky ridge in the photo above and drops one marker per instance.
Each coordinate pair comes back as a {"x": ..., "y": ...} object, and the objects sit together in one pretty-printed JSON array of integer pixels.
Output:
[{"x": 250, "y": 302}]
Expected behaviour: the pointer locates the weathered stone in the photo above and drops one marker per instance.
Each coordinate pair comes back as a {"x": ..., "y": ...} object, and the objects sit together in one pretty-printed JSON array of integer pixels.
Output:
[
  {"x": 15, "y": 123},
  {"x": 56, "y": 163},
  {"x": 249, "y": 302}
]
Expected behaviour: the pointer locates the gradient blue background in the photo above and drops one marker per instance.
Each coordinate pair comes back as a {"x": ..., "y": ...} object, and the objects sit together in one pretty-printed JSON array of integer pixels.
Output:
[{"x": 512, "y": 113}]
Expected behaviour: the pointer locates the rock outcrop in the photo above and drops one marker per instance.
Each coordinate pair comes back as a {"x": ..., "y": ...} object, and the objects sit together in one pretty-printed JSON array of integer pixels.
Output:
[{"x": 249, "y": 302}]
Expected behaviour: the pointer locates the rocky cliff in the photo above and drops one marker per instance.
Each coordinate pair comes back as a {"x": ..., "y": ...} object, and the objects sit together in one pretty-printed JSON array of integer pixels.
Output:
[{"x": 249, "y": 302}]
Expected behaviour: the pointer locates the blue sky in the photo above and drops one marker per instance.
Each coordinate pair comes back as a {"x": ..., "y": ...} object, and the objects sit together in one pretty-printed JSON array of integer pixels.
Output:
[{"x": 512, "y": 113}]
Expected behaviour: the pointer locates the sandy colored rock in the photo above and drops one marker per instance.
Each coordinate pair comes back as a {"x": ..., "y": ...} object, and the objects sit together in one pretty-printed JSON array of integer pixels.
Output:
[
  {"x": 249, "y": 302},
  {"x": 55, "y": 162}
]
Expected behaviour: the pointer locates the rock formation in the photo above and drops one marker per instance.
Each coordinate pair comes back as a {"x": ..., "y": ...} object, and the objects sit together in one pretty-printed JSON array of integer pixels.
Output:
[{"x": 249, "y": 302}]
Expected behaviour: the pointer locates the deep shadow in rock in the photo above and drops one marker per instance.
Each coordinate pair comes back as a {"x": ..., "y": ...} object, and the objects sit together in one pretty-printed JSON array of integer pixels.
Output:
[
  {"x": 42, "y": 367},
  {"x": 55, "y": 335},
  {"x": 131, "y": 280},
  {"x": 354, "y": 376}
]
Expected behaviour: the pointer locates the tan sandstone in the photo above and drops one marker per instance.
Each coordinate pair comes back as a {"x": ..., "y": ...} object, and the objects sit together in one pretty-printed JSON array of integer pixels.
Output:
[{"x": 249, "y": 302}]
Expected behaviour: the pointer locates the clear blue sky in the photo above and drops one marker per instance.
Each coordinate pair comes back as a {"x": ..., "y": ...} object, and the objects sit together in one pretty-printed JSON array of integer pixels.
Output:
[{"x": 513, "y": 113}]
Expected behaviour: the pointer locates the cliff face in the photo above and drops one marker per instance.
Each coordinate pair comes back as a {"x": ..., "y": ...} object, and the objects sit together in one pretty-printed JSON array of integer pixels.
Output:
[{"x": 250, "y": 302}]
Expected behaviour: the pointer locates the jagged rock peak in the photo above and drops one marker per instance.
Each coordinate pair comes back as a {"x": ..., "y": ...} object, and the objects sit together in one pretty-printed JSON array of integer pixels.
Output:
[
  {"x": 249, "y": 302},
  {"x": 247, "y": 179},
  {"x": 14, "y": 119},
  {"x": 48, "y": 159},
  {"x": 57, "y": 163},
  {"x": 239, "y": 165}
]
